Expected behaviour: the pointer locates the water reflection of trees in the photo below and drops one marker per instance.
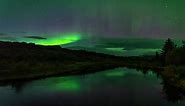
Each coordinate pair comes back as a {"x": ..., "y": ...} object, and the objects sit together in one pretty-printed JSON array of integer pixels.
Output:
[
  {"x": 172, "y": 93},
  {"x": 18, "y": 86}
]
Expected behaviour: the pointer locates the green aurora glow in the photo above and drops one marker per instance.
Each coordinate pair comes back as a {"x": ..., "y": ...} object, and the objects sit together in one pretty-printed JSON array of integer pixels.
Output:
[
  {"x": 55, "y": 39},
  {"x": 102, "y": 18}
]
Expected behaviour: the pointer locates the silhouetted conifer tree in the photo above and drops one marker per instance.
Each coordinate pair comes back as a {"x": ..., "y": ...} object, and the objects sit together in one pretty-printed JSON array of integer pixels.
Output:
[{"x": 168, "y": 46}]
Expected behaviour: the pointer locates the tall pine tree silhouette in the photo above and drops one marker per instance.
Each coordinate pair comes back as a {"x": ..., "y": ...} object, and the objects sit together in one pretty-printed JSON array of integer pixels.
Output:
[{"x": 168, "y": 46}]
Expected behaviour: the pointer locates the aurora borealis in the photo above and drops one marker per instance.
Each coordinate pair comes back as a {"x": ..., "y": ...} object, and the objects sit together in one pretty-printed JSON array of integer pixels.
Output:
[
  {"x": 57, "y": 39},
  {"x": 58, "y": 52},
  {"x": 62, "y": 22},
  {"x": 107, "y": 18}
]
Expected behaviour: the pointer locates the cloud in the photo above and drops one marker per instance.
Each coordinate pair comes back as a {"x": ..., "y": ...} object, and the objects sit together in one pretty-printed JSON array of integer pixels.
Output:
[
  {"x": 130, "y": 44},
  {"x": 34, "y": 37},
  {"x": 3, "y": 34},
  {"x": 6, "y": 37}
]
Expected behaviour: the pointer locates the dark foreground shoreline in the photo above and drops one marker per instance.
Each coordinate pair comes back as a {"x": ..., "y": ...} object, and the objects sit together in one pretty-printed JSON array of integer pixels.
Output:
[
  {"x": 24, "y": 62},
  {"x": 94, "y": 67}
]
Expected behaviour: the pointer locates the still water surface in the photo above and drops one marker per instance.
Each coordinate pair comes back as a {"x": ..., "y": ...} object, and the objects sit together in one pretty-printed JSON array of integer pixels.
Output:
[{"x": 115, "y": 87}]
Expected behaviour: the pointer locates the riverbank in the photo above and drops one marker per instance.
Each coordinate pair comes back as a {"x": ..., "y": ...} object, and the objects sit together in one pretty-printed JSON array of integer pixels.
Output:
[
  {"x": 56, "y": 70},
  {"x": 20, "y": 61},
  {"x": 51, "y": 70}
]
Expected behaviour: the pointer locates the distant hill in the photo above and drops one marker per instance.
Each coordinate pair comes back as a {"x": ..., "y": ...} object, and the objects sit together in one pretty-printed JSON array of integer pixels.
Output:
[
  {"x": 27, "y": 60},
  {"x": 31, "y": 52},
  {"x": 30, "y": 61}
]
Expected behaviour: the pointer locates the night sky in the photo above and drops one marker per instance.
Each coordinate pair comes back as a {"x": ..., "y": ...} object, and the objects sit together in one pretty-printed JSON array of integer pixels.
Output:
[{"x": 97, "y": 18}]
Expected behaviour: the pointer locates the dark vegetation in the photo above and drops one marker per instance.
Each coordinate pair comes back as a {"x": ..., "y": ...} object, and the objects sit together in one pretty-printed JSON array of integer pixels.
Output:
[
  {"x": 25, "y": 62},
  {"x": 30, "y": 61},
  {"x": 20, "y": 61},
  {"x": 172, "y": 58}
]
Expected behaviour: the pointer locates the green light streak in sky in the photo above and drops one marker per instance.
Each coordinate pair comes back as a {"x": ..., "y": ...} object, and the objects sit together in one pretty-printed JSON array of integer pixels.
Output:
[{"x": 58, "y": 39}]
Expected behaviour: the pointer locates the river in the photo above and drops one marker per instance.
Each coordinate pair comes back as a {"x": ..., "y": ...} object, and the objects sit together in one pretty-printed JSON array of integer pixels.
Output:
[{"x": 114, "y": 87}]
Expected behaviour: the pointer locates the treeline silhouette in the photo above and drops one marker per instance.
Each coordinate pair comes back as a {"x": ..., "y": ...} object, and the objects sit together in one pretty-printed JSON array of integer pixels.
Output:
[
  {"x": 172, "y": 58},
  {"x": 30, "y": 52},
  {"x": 171, "y": 54}
]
